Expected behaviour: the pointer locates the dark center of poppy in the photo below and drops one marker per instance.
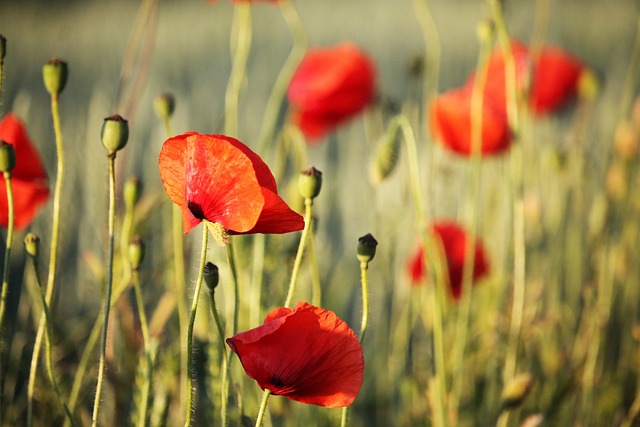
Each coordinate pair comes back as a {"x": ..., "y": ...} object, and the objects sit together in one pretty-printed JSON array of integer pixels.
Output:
[
  {"x": 196, "y": 210},
  {"x": 277, "y": 384}
]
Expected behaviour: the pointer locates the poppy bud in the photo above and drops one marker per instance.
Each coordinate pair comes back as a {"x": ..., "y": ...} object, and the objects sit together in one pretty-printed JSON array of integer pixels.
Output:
[
  {"x": 7, "y": 157},
  {"x": 54, "y": 74},
  {"x": 486, "y": 31},
  {"x": 136, "y": 253},
  {"x": 386, "y": 155},
  {"x": 310, "y": 183},
  {"x": 366, "y": 249},
  {"x": 3, "y": 47},
  {"x": 626, "y": 139},
  {"x": 114, "y": 133},
  {"x": 516, "y": 391},
  {"x": 587, "y": 85},
  {"x": 211, "y": 276},
  {"x": 164, "y": 104},
  {"x": 131, "y": 192},
  {"x": 32, "y": 244}
]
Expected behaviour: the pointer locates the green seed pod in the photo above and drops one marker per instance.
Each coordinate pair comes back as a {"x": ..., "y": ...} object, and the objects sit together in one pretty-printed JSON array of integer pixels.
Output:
[
  {"x": 211, "y": 276},
  {"x": 310, "y": 183},
  {"x": 164, "y": 104},
  {"x": 136, "y": 253},
  {"x": 366, "y": 249},
  {"x": 7, "y": 157},
  {"x": 3, "y": 47},
  {"x": 516, "y": 391},
  {"x": 114, "y": 133},
  {"x": 386, "y": 155},
  {"x": 131, "y": 192},
  {"x": 54, "y": 74},
  {"x": 32, "y": 244}
]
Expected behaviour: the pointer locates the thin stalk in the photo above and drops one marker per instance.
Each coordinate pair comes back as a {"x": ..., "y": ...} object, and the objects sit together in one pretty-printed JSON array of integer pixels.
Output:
[
  {"x": 432, "y": 49},
  {"x": 224, "y": 389},
  {"x": 1, "y": 74},
  {"x": 316, "y": 285},
  {"x": 259, "y": 243},
  {"x": 53, "y": 253},
  {"x": 107, "y": 299},
  {"x": 308, "y": 204},
  {"x": 231, "y": 258},
  {"x": 263, "y": 407},
  {"x": 192, "y": 319},
  {"x": 300, "y": 43},
  {"x": 146, "y": 391},
  {"x": 5, "y": 279},
  {"x": 240, "y": 51}
]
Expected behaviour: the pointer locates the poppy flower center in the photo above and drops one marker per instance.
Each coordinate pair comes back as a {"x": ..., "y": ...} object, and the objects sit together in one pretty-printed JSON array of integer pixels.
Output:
[{"x": 196, "y": 210}]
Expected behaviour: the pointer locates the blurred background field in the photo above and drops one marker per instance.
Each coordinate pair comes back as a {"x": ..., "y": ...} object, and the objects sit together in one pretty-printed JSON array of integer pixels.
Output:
[{"x": 582, "y": 228}]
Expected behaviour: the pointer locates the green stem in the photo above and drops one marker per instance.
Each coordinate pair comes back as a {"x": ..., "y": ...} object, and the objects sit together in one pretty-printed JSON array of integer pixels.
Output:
[
  {"x": 240, "y": 51},
  {"x": 274, "y": 103},
  {"x": 259, "y": 243},
  {"x": 263, "y": 407},
  {"x": 53, "y": 254},
  {"x": 147, "y": 349},
  {"x": 432, "y": 49},
  {"x": 316, "y": 285},
  {"x": 224, "y": 390},
  {"x": 107, "y": 299},
  {"x": 5, "y": 280},
  {"x": 179, "y": 289},
  {"x": 308, "y": 203},
  {"x": 192, "y": 319},
  {"x": 231, "y": 258}
]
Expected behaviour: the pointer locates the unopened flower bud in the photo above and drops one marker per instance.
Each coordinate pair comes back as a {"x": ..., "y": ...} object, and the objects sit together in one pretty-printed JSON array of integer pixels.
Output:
[
  {"x": 114, "y": 133},
  {"x": 136, "y": 253},
  {"x": 32, "y": 244},
  {"x": 164, "y": 104},
  {"x": 366, "y": 249},
  {"x": 588, "y": 86},
  {"x": 3, "y": 47},
  {"x": 7, "y": 157},
  {"x": 211, "y": 276},
  {"x": 386, "y": 155},
  {"x": 131, "y": 192},
  {"x": 54, "y": 74},
  {"x": 486, "y": 31},
  {"x": 516, "y": 391},
  {"x": 310, "y": 183}
]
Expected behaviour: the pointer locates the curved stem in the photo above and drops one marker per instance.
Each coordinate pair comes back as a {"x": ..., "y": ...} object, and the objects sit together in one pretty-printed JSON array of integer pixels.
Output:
[
  {"x": 107, "y": 299},
  {"x": 53, "y": 253},
  {"x": 308, "y": 203},
  {"x": 192, "y": 319},
  {"x": 224, "y": 391},
  {"x": 432, "y": 49},
  {"x": 142, "y": 417},
  {"x": 242, "y": 25},
  {"x": 231, "y": 258},
  {"x": 5, "y": 279},
  {"x": 263, "y": 407}
]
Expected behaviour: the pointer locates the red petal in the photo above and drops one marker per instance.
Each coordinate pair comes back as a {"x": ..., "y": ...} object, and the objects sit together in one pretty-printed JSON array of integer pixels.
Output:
[
  {"x": 555, "y": 79},
  {"x": 307, "y": 354}
]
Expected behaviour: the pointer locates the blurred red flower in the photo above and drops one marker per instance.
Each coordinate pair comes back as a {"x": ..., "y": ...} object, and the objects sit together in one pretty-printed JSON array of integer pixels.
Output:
[
  {"x": 28, "y": 179},
  {"x": 329, "y": 87},
  {"x": 218, "y": 178},
  {"x": 454, "y": 240},
  {"x": 307, "y": 354}
]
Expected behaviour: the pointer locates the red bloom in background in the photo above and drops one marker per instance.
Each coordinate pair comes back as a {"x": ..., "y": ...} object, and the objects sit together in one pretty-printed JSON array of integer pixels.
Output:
[
  {"x": 29, "y": 180},
  {"x": 329, "y": 87},
  {"x": 450, "y": 120},
  {"x": 307, "y": 354},
  {"x": 218, "y": 178},
  {"x": 454, "y": 241}
]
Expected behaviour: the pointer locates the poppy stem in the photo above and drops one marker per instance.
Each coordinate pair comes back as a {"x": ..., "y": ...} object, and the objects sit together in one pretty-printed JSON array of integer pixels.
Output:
[
  {"x": 5, "y": 279},
  {"x": 240, "y": 48},
  {"x": 231, "y": 258},
  {"x": 308, "y": 204},
  {"x": 179, "y": 288},
  {"x": 364, "y": 281},
  {"x": 224, "y": 390},
  {"x": 192, "y": 319},
  {"x": 263, "y": 407},
  {"x": 146, "y": 391},
  {"x": 107, "y": 299}
]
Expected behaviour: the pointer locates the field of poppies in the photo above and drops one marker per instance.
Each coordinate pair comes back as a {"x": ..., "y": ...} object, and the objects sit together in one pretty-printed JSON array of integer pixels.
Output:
[{"x": 320, "y": 213}]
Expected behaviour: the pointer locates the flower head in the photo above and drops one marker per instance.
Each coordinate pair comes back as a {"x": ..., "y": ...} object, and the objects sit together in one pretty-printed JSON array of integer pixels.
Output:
[
  {"x": 329, "y": 87},
  {"x": 454, "y": 241},
  {"x": 28, "y": 177},
  {"x": 307, "y": 354},
  {"x": 219, "y": 179}
]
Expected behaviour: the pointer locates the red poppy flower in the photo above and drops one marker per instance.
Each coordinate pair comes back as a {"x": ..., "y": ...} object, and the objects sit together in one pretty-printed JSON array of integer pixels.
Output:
[
  {"x": 329, "y": 87},
  {"x": 307, "y": 354},
  {"x": 28, "y": 179},
  {"x": 218, "y": 178},
  {"x": 450, "y": 119},
  {"x": 454, "y": 241}
]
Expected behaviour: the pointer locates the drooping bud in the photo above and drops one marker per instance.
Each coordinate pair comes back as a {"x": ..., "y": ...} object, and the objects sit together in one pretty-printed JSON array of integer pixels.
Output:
[
  {"x": 366, "y": 249},
  {"x": 54, "y": 74},
  {"x": 3, "y": 47},
  {"x": 386, "y": 154},
  {"x": 7, "y": 157},
  {"x": 136, "y": 253},
  {"x": 310, "y": 183},
  {"x": 131, "y": 192},
  {"x": 516, "y": 391},
  {"x": 114, "y": 133},
  {"x": 164, "y": 104},
  {"x": 211, "y": 276},
  {"x": 32, "y": 244}
]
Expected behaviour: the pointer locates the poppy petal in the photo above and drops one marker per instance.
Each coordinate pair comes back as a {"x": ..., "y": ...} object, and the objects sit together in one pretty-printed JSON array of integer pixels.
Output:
[{"x": 307, "y": 354}]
